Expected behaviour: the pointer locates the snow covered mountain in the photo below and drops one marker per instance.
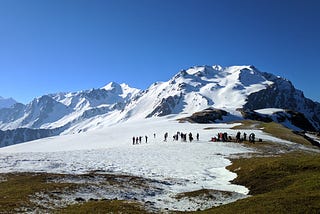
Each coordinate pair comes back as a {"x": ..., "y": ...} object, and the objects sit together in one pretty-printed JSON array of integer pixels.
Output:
[
  {"x": 198, "y": 88},
  {"x": 235, "y": 89},
  {"x": 6, "y": 102},
  {"x": 64, "y": 109}
]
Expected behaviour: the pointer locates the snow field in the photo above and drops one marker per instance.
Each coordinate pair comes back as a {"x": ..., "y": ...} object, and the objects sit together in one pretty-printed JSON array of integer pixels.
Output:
[{"x": 186, "y": 166}]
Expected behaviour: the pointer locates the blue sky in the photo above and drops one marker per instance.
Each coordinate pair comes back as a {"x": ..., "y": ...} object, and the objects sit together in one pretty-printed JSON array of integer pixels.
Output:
[{"x": 69, "y": 45}]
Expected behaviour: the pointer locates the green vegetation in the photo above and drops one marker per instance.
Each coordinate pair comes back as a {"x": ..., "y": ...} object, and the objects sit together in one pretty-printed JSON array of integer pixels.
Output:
[
  {"x": 16, "y": 189},
  {"x": 282, "y": 132},
  {"x": 104, "y": 206},
  {"x": 283, "y": 184}
]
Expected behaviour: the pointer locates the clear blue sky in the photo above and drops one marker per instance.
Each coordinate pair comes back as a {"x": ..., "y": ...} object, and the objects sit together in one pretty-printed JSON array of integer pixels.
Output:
[{"x": 49, "y": 46}]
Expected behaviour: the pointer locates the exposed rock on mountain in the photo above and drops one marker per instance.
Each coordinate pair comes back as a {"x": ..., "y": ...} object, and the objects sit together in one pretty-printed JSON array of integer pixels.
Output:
[
  {"x": 209, "y": 115},
  {"x": 193, "y": 90}
]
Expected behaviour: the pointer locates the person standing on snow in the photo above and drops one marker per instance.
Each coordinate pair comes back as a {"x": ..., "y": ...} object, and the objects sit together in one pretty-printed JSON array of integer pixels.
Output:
[
  {"x": 244, "y": 136},
  {"x": 238, "y": 137},
  {"x": 165, "y": 137}
]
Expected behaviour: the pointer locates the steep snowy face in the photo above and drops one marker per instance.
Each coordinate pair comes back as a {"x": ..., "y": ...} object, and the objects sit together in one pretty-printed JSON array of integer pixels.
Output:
[
  {"x": 6, "y": 102},
  {"x": 198, "y": 88},
  {"x": 43, "y": 110}
]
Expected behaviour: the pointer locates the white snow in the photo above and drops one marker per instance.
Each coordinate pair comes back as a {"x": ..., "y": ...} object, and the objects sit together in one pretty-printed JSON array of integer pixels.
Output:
[
  {"x": 190, "y": 166},
  {"x": 314, "y": 137},
  {"x": 186, "y": 166},
  {"x": 269, "y": 111}
]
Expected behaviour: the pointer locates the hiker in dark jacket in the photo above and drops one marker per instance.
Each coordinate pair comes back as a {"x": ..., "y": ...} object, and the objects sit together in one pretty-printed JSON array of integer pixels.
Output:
[
  {"x": 190, "y": 137},
  {"x": 165, "y": 137},
  {"x": 245, "y": 136},
  {"x": 252, "y": 138},
  {"x": 238, "y": 137}
]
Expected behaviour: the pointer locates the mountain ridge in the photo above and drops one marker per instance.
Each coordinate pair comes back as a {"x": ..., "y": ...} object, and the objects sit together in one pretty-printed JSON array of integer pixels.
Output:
[
  {"x": 234, "y": 89},
  {"x": 7, "y": 102}
]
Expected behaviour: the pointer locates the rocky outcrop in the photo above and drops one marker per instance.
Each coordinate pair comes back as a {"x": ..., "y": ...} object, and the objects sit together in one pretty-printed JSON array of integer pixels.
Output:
[
  {"x": 288, "y": 118},
  {"x": 209, "y": 115},
  {"x": 282, "y": 94}
]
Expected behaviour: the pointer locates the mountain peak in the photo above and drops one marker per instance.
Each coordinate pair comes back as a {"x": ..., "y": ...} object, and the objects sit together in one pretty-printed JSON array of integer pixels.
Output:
[
  {"x": 113, "y": 87},
  {"x": 7, "y": 102}
]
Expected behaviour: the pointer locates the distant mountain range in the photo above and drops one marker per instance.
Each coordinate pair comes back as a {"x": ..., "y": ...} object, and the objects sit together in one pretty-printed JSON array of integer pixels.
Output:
[
  {"x": 243, "y": 92},
  {"x": 6, "y": 102}
]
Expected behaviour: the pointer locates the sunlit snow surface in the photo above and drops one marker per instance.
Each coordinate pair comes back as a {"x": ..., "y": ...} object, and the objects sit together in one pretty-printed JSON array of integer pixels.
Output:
[{"x": 188, "y": 166}]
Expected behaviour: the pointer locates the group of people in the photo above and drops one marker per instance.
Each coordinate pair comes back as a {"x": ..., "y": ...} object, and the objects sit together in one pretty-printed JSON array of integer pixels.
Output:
[
  {"x": 138, "y": 140},
  {"x": 224, "y": 137},
  {"x": 239, "y": 139},
  {"x": 184, "y": 137},
  {"x": 179, "y": 135}
]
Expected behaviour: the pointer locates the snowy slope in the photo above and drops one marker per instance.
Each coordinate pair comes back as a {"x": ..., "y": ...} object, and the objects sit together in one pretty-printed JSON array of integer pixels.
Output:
[{"x": 183, "y": 166}]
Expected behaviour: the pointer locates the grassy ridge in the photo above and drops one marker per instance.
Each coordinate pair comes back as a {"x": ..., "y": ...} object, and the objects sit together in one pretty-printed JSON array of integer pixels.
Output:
[
  {"x": 275, "y": 129},
  {"x": 288, "y": 183}
]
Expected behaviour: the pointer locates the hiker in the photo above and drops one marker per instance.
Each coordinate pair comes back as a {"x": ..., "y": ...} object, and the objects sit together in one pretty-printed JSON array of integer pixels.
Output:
[
  {"x": 190, "y": 137},
  {"x": 133, "y": 141},
  {"x": 184, "y": 137},
  {"x": 245, "y": 136},
  {"x": 238, "y": 137},
  {"x": 165, "y": 137},
  {"x": 251, "y": 138},
  {"x": 146, "y": 138},
  {"x": 197, "y": 136},
  {"x": 154, "y": 135},
  {"x": 137, "y": 140},
  {"x": 175, "y": 137},
  {"x": 225, "y": 137}
]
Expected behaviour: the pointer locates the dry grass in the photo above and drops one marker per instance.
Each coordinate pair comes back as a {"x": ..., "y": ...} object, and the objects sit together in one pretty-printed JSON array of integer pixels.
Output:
[
  {"x": 275, "y": 129},
  {"x": 104, "y": 206}
]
